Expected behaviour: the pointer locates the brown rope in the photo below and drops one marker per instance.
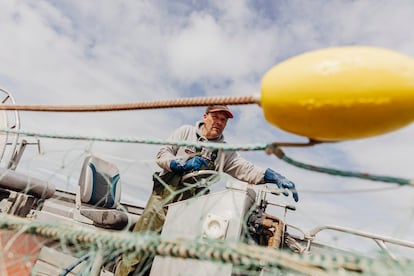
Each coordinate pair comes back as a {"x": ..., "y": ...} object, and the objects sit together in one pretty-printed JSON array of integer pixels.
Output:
[{"x": 184, "y": 102}]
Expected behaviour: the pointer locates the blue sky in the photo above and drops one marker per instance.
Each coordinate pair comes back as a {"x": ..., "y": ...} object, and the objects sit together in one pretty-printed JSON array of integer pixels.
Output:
[{"x": 101, "y": 52}]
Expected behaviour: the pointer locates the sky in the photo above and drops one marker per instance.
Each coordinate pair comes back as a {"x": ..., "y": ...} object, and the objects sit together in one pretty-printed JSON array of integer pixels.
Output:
[{"x": 107, "y": 52}]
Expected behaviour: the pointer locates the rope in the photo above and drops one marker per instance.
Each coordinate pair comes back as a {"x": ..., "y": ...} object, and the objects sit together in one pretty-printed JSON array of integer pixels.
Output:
[
  {"x": 388, "y": 179},
  {"x": 220, "y": 146},
  {"x": 77, "y": 262},
  {"x": 268, "y": 148},
  {"x": 219, "y": 251},
  {"x": 183, "y": 102}
]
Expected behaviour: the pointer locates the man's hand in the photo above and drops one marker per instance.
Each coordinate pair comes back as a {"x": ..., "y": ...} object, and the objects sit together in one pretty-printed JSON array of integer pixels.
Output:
[
  {"x": 282, "y": 182},
  {"x": 194, "y": 164}
]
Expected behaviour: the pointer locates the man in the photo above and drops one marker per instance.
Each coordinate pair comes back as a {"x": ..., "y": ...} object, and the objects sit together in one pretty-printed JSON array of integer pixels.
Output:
[{"x": 179, "y": 160}]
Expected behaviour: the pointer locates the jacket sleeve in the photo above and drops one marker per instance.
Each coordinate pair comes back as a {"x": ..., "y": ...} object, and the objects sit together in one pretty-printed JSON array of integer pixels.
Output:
[
  {"x": 243, "y": 170},
  {"x": 169, "y": 152}
]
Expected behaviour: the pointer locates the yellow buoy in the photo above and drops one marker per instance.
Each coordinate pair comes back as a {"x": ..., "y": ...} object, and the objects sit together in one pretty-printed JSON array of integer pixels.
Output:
[{"x": 340, "y": 93}]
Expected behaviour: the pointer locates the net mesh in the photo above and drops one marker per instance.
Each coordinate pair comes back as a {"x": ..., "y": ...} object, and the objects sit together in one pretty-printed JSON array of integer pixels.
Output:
[{"x": 50, "y": 236}]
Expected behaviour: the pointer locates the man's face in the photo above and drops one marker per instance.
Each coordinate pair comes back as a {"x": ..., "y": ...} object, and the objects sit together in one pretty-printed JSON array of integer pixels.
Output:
[{"x": 214, "y": 124}]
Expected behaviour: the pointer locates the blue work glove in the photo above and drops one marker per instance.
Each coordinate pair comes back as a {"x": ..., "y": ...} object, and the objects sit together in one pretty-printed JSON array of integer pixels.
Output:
[
  {"x": 282, "y": 182},
  {"x": 194, "y": 164}
]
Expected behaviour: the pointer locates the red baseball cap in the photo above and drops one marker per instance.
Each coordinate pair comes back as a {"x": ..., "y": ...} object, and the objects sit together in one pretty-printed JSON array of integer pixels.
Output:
[{"x": 222, "y": 108}]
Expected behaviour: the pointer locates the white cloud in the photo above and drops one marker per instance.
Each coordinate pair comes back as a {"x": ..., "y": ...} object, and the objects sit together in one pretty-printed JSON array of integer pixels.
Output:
[
  {"x": 95, "y": 52},
  {"x": 211, "y": 49}
]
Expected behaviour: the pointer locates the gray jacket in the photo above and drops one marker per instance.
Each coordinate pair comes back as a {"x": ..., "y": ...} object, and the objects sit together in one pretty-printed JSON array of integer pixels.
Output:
[{"x": 234, "y": 164}]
